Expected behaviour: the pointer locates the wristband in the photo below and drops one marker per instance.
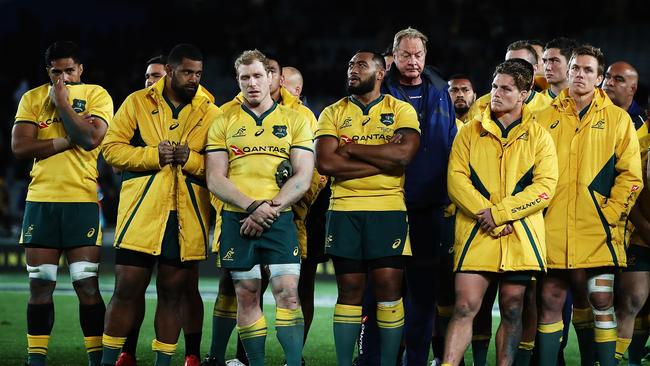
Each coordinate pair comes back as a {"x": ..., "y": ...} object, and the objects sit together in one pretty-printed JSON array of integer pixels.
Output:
[{"x": 253, "y": 206}]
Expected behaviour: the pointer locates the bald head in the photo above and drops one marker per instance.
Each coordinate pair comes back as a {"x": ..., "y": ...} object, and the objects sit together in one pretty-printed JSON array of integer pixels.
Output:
[
  {"x": 620, "y": 84},
  {"x": 292, "y": 80}
]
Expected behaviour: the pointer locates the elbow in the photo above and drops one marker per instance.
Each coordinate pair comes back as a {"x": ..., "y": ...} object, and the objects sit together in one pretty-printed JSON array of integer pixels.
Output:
[
  {"x": 89, "y": 144},
  {"x": 19, "y": 153},
  {"x": 324, "y": 167}
]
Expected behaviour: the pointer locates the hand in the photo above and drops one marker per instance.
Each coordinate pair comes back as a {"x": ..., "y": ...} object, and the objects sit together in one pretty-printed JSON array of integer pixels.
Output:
[
  {"x": 165, "y": 153},
  {"x": 396, "y": 139},
  {"x": 507, "y": 230},
  {"x": 486, "y": 220},
  {"x": 181, "y": 154},
  {"x": 250, "y": 228},
  {"x": 265, "y": 215},
  {"x": 59, "y": 92}
]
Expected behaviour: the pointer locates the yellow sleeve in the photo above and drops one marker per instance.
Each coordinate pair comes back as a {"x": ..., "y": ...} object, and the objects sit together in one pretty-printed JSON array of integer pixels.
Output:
[
  {"x": 27, "y": 109},
  {"x": 217, "y": 135},
  {"x": 117, "y": 148},
  {"x": 326, "y": 125},
  {"x": 406, "y": 117},
  {"x": 462, "y": 190},
  {"x": 101, "y": 105},
  {"x": 302, "y": 135},
  {"x": 537, "y": 195},
  {"x": 195, "y": 163},
  {"x": 628, "y": 182}
]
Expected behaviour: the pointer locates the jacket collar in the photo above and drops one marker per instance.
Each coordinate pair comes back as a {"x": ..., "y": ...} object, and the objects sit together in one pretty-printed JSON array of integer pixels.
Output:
[
  {"x": 156, "y": 92},
  {"x": 490, "y": 125},
  {"x": 566, "y": 104}
]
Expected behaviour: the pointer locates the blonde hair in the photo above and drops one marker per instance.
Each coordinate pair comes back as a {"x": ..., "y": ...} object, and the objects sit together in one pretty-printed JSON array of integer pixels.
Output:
[
  {"x": 409, "y": 33},
  {"x": 248, "y": 57}
]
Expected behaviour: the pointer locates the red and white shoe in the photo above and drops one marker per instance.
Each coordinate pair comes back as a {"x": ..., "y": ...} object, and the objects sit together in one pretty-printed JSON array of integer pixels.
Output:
[
  {"x": 126, "y": 359},
  {"x": 192, "y": 360}
]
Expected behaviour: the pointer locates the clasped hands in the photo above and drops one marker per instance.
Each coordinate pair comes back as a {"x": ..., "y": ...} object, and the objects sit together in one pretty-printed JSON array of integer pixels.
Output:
[
  {"x": 259, "y": 219},
  {"x": 168, "y": 154},
  {"x": 485, "y": 219}
]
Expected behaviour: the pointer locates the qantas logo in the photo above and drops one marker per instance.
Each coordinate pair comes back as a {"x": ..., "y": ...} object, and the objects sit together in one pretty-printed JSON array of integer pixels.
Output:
[
  {"x": 346, "y": 139},
  {"x": 635, "y": 188},
  {"x": 237, "y": 151},
  {"x": 544, "y": 196}
]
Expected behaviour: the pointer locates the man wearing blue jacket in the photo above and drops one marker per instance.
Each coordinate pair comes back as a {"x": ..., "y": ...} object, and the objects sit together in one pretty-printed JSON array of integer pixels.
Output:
[{"x": 425, "y": 189}]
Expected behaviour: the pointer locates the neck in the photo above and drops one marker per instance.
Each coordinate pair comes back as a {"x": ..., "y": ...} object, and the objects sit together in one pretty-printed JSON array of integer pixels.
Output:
[
  {"x": 365, "y": 99},
  {"x": 276, "y": 95},
  {"x": 582, "y": 100},
  {"x": 558, "y": 87},
  {"x": 264, "y": 105},
  {"x": 171, "y": 95},
  {"x": 506, "y": 118},
  {"x": 410, "y": 81},
  {"x": 626, "y": 104}
]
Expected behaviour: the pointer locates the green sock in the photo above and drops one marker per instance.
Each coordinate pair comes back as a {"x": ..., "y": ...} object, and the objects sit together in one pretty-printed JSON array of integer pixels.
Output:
[
  {"x": 224, "y": 319},
  {"x": 480, "y": 345},
  {"x": 36, "y": 359},
  {"x": 290, "y": 327},
  {"x": 347, "y": 324},
  {"x": 253, "y": 337},
  {"x": 605, "y": 346},
  {"x": 390, "y": 320},
  {"x": 164, "y": 352},
  {"x": 549, "y": 339},
  {"x": 111, "y": 349},
  {"x": 524, "y": 352},
  {"x": 95, "y": 358}
]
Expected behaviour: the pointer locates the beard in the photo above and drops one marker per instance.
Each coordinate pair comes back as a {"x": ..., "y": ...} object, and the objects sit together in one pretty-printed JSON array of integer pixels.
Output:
[
  {"x": 182, "y": 92},
  {"x": 364, "y": 87},
  {"x": 461, "y": 110}
]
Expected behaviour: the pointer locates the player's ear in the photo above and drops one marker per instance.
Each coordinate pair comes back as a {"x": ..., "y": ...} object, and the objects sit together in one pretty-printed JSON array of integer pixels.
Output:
[
  {"x": 81, "y": 69},
  {"x": 169, "y": 68},
  {"x": 381, "y": 73}
]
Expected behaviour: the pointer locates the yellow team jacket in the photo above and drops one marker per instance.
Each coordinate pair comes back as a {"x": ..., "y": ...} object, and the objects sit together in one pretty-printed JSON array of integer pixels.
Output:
[
  {"x": 131, "y": 144},
  {"x": 318, "y": 182},
  {"x": 643, "y": 201},
  {"x": 512, "y": 172},
  {"x": 600, "y": 178},
  {"x": 536, "y": 102}
]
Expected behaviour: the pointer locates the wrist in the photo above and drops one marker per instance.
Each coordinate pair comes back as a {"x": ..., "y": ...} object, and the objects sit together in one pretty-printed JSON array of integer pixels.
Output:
[{"x": 254, "y": 206}]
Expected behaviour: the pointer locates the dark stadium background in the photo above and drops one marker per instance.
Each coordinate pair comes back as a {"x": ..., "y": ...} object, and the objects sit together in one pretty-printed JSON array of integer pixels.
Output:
[{"x": 317, "y": 37}]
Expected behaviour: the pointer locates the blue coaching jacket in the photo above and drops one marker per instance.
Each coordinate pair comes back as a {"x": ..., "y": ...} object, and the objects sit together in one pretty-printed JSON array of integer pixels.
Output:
[{"x": 426, "y": 175}]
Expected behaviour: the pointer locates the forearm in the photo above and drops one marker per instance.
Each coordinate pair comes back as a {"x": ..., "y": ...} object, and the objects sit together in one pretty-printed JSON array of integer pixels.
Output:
[
  {"x": 292, "y": 191},
  {"x": 195, "y": 164},
  {"x": 39, "y": 149},
  {"x": 340, "y": 167},
  {"x": 126, "y": 157},
  {"x": 387, "y": 157},
  {"x": 79, "y": 130},
  {"x": 227, "y": 192}
]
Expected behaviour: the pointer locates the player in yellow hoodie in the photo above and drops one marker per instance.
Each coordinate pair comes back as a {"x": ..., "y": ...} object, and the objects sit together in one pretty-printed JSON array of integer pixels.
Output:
[{"x": 600, "y": 177}]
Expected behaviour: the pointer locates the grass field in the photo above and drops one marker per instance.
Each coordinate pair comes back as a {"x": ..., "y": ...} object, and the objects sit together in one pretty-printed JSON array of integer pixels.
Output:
[{"x": 66, "y": 344}]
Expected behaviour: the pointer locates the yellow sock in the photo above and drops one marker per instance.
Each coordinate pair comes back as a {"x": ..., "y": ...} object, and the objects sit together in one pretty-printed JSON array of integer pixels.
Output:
[
  {"x": 390, "y": 316},
  {"x": 621, "y": 347},
  {"x": 257, "y": 329},
  {"x": 93, "y": 344},
  {"x": 550, "y": 328},
  {"x": 350, "y": 314},
  {"x": 288, "y": 317},
  {"x": 604, "y": 335},
  {"x": 165, "y": 348},
  {"x": 225, "y": 307},
  {"x": 113, "y": 342},
  {"x": 37, "y": 344}
]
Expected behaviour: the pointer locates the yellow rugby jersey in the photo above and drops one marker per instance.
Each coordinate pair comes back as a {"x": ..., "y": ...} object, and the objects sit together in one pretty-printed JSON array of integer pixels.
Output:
[
  {"x": 536, "y": 102},
  {"x": 351, "y": 122},
  {"x": 71, "y": 175},
  {"x": 256, "y": 145},
  {"x": 174, "y": 118},
  {"x": 549, "y": 93},
  {"x": 600, "y": 177}
]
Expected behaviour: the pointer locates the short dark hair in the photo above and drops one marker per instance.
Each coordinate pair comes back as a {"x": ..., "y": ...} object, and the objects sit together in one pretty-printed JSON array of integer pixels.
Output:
[
  {"x": 160, "y": 59},
  {"x": 184, "y": 50},
  {"x": 376, "y": 56},
  {"x": 461, "y": 76},
  {"x": 272, "y": 57},
  {"x": 535, "y": 42},
  {"x": 589, "y": 50},
  {"x": 521, "y": 71},
  {"x": 62, "y": 49},
  {"x": 565, "y": 45},
  {"x": 523, "y": 45}
]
